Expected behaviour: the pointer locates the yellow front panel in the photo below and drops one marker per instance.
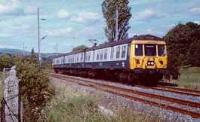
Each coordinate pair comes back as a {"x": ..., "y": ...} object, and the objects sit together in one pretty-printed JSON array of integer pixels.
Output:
[{"x": 141, "y": 62}]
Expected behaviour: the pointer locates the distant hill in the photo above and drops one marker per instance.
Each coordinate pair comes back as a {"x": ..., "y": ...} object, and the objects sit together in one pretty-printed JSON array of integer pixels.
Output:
[
  {"x": 13, "y": 51},
  {"x": 22, "y": 52}
]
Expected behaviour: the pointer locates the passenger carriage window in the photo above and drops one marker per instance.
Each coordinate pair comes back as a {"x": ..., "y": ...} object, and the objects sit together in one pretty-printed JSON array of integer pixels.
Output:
[
  {"x": 105, "y": 54},
  {"x": 139, "y": 50},
  {"x": 81, "y": 57},
  {"x": 86, "y": 56},
  {"x": 123, "y": 55},
  {"x": 93, "y": 56},
  {"x": 97, "y": 56},
  {"x": 101, "y": 55},
  {"x": 112, "y": 53},
  {"x": 89, "y": 57},
  {"x": 118, "y": 52}
]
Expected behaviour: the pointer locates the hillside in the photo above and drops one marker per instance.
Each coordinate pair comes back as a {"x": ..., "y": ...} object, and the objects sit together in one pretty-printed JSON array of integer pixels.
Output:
[
  {"x": 13, "y": 51},
  {"x": 22, "y": 52}
]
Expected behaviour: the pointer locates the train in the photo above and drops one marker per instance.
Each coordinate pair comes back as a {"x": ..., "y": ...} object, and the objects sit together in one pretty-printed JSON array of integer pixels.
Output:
[{"x": 140, "y": 59}]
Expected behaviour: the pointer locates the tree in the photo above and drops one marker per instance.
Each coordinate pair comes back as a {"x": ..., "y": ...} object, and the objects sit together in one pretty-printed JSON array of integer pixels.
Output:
[
  {"x": 183, "y": 43},
  {"x": 194, "y": 53},
  {"x": 32, "y": 51},
  {"x": 79, "y": 48},
  {"x": 109, "y": 8}
]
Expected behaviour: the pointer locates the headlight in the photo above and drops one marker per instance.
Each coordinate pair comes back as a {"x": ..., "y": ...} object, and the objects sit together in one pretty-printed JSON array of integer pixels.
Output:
[{"x": 152, "y": 63}]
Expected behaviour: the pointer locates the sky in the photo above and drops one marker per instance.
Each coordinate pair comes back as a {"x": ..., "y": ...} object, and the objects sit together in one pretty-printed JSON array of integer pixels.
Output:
[{"x": 69, "y": 23}]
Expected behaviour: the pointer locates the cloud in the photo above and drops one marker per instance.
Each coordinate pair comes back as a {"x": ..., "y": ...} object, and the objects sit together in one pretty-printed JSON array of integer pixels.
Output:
[
  {"x": 195, "y": 10},
  {"x": 30, "y": 10},
  {"x": 146, "y": 14},
  {"x": 8, "y": 6},
  {"x": 59, "y": 32},
  {"x": 140, "y": 2},
  {"x": 16, "y": 8},
  {"x": 63, "y": 14},
  {"x": 85, "y": 16},
  {"x": 80, "y": 17},
  {"x": 197, "y": 22}
]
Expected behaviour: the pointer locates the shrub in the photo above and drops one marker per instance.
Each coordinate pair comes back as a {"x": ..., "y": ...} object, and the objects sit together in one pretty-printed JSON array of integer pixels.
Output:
[
  {"x": 6, "y": 61},
  {"x": 35, "y": 88}
]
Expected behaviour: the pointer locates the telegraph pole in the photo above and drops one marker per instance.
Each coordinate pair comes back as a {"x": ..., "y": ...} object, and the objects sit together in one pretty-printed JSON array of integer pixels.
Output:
[
  {"x": 38, "y": 19},
  {"x": 117, "y": 24}
]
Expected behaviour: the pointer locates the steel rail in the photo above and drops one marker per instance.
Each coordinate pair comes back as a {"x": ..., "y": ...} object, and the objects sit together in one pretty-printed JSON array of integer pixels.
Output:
[
  {"x": 115, "y": 90},
  {"x": 182, "y": 89},
  {"x": 171, "y": 89}
]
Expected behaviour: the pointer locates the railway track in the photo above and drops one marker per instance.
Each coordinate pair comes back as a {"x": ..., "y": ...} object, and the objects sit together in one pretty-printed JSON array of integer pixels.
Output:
[
  {"x": 164, "y": 102},
  {"x": 178, "y": 90},
  {"x": 181, "y": 91}
]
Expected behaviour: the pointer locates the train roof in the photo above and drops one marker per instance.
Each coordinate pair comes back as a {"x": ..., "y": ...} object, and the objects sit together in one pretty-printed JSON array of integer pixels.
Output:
[{"x": 110, "y": 44}]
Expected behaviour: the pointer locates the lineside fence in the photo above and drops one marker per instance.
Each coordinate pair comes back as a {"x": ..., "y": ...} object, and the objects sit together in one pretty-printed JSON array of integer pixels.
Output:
[{"x": 11, "y": 106}]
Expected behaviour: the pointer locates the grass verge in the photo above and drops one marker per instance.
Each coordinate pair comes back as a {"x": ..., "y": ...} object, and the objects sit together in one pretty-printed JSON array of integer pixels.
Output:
[
  {"x": 70, "y": 105},
  {"x": 190, "y": 78}
]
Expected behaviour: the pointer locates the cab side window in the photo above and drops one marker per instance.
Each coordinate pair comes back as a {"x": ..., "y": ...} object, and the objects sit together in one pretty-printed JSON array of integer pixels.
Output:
[
  {"x": 161, "y": 50},
  {"x": 138, "y": 50}
]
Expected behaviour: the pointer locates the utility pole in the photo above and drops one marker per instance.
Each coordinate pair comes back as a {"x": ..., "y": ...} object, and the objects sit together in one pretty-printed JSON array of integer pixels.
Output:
[
  {"x": 23, "y": 50},
  {"x": 38, "y": 19},
  {"x": 117, "y": 24}
]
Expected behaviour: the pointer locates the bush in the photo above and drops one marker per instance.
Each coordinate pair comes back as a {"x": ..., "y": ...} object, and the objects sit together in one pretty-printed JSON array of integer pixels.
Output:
[
  {"x": 6, "y": 61},
  {"x": 35, "y": 88}
]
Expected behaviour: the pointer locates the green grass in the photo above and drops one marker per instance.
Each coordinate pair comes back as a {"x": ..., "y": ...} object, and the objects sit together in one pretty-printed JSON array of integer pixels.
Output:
[
  {"x": 70, "y": 105},
  {"x": 190, "y": 78}
]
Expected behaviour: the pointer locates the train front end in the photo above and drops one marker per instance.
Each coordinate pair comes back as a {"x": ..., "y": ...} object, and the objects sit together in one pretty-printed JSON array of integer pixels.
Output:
[{"x": 148, "y": 58}]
